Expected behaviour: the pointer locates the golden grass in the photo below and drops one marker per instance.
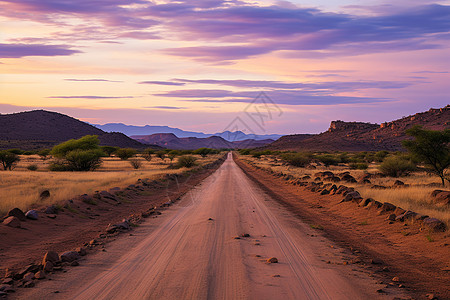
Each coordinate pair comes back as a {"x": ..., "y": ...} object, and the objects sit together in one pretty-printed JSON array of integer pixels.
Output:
[
  {"x": 21, "y": 187},
  {"x": 415, "y": 197}
]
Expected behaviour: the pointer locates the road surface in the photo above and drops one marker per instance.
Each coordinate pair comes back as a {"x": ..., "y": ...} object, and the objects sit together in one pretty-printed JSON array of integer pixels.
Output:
[{"x": 188, "y": 256}]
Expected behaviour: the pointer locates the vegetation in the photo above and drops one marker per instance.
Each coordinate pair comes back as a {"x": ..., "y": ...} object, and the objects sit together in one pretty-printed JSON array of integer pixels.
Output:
[
  {"x": 147, "y": 154},
  {"x": 32, "y": 167},
  {"x": 297, "y": 159},
  {"x": 186, "y": 161},
  {"x": 161, "y": 154},
  {"x": 109, "y": 150},
  {"x": 328, "y": 159},
  {"x": 396, "y": 166},
  {"x": 135, "y": 163},
  {"x": 172, "y": 154},
  {"x": 44, "y": 153},
  {"x": 203, "y": 152},
  {"x": 125, "y": 153},
  {"x": 82, "y": 154},
  {"x": 432, "y": 148},
  {"x": 8, "y": 159}
]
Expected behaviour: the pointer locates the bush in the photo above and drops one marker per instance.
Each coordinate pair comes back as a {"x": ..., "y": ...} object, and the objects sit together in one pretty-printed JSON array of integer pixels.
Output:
[
  {"x": 16, "y": 151},
  {"x": 32, "y": 167},
  {"x": 328, "y": 159},
  {"x": 395, "y": 166},
  {"x": 109, "y": 150},
  {"x": 8, "y": 159},
  {"x": 203, "y": 152},
  {"x": 147, "y": 154},
  {"x": 44, "y": 153},
  {"x": 244, "y": 151},
  {"x": 161, "y": 154},
  {"x": 359, "y": 166},
  {"x": 297, "y": 159},
  {"x": 125, "y": 153},
  {"x": 87, "y": 142},
  {"x": 135, "y": 163},
  {"x": 84, "y": 160},
  {"x": 186, "y": 161}
]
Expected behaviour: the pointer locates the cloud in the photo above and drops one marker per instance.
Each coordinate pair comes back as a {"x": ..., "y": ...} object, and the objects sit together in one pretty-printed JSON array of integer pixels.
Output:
[
  {"x": 162, "y": 83},
  {"x": 166, "y": 107},
  {"x": 94, "y": 80},
  {"x": 22, "y": 50},
  {"x": 90, "y": 97}
]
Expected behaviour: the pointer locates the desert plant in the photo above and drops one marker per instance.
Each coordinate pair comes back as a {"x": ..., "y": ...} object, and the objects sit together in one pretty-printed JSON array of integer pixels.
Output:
[
  {"x": 396, "y": 166},
  {"x": 172, "y": 154},
  {"x": 84, "y": 160},
  {"x": 431, "y": 147},
  {"x": 8, "y": 159},
  {"x": 44, "y": 153},
  {"x": 16, "y": 151},
  {"x": 186, "y": 161},
  {"x": 203, "y": 152},
  {"x": 161, "y": 154},
  {"x": 109, "y": 149},
  {"x": 125, "y": 153},
  {"x": 32, "y": 167},
  {"x": 328, "y": 159},
  {"x": 147, "y": 154},
  {"x": 135, "y": 163},
  {"x": 359, "y": 166},
  {"x": 296, "y": 159}
]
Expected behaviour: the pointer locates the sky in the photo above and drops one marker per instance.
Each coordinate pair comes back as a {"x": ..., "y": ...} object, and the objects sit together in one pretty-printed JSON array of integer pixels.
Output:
[{"x": 210, "y": 65}]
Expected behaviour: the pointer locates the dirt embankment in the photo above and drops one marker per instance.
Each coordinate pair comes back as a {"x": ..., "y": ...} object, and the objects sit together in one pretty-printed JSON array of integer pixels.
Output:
[
  {"x": 87, "y": 217},
  {"x": 420, "y": 259}
]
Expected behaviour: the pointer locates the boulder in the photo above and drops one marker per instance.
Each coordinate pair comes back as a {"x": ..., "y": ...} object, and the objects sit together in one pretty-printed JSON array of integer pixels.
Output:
[
  {"x": 44, "y": 194},
  {"x": 306, "y": 177},
  {"x": 398, "y": 183},
  {"x": 434, "y": 224},
  {"x": 12, "y": 222},
  {"x": 81, "y": 251},
  {"x": 39, "y": 275},
  {"x": 51, "y": 256},
  {"x": 352, "y": 196},
  {"x": 405, "y": 216},
  {"x": 69, "y": 256},
  {"x": 386, "y": 206},
  {"x": 32, "y": 214},
  {"x": 436, "y": 192},
  {"x": 391, "y": 217},
  {"x": 399, "y": 211},
  {"x": 272, "y": 260},
  {"x": 348, "y": 178},
  {"x": 442, "y": 198},
  {"x": 48, "y": 266},
  {"x": 18, "y": 213},
  {"x": 51, "y": 210},
  {"x": 365, "y": 202}
]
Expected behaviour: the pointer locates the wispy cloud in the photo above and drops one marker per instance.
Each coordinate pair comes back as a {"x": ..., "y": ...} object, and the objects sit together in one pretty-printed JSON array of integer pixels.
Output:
[
  {"x": 162, "y": 83},
  {"x": 22, "y": 50},
  {"x": 91, "y": 97},
  {"x": 94, "y": 80},
  {"x": 166, "y": 107}
]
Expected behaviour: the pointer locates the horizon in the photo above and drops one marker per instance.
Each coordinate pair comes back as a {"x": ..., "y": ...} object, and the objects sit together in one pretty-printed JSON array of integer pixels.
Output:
[{"x": 202, "y": 65}]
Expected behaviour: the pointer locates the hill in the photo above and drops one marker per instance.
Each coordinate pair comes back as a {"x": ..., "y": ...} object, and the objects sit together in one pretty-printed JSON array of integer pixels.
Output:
[
  {"x": 131, "y": 130},
  {"x": 359, "y": 136},
  {"x": 170, "y": 140},
  {"x": 43, "y": 129}
]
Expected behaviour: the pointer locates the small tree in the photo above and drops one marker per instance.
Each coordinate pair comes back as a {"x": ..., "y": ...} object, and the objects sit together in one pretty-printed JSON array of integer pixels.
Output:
[
  {"x": 125, "y": 153},
  {"x": 147, "y": 154},
  {"x": 135, "y": 163},
  {"x": 8, "y": 159},
  {"x": 44, "y": 153},
  {"x": 395, "y": 166},
  {"x": 203, "y": 152},
  {"x": 431, "y": 147},
  {"x": 161, "y": 154},
  {"x": 186, "y": 161},
  {"x": 172, "y": 154},
  {"x": 109, "y": 149}
]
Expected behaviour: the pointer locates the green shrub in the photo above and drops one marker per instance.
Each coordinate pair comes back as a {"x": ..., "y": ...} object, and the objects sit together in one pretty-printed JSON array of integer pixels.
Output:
[
  {"x": 16, "y": 151},
  {"x": 186, "y": 161},
  {"x": 296, "y": 159},
  {"x": 328, "y": 159},
  {"x": 135, "y": 163},
  {"x": 161, "y": 154},
  {"x": 125, "y": 153},
  {"x": 109, "y": 149},
  {"x": 8, "y": 159},
  {"x": 84, "y": 160},
  {"x": 359, "y": 166},
  {"x": 87, "y": 142},
  {"x": 244, "y": 151},
  {"x": 32, "y": 167},
  {"x": 44, "y": 153},
  {"x": 396, "y": 166}
]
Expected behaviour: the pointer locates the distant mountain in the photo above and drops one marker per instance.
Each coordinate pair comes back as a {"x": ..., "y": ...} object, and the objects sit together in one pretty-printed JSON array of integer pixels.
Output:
[
  {"x": 359, "y": 136},
  {"x": 131, "y": 130},
  {"x": 43, "y": 129},
  {"x": 171, "y": 141}
]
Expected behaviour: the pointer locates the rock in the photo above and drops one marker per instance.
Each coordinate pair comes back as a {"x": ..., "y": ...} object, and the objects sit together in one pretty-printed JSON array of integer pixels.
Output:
[
  {"x": 431, "y": 297},
  {"x": 48, "y": 266},
  {"x": 28, "y": 284},
  {"x": 245, "y": 235},
  {"x": 111, "y": 228},
  {"x": 44, "y": 194},
  {"x": 391, "y": 217},
  {"x": 375, "y": 261},
  {"x": 51, "y": 256},
  {"x": 325, "y": 192},
  {"x": 81, "y": 251},
  {"x": 9, "y": 273},
  {"x": 32, "y": 214},
  {"x": 12, "y": 222},
  {"x": 18, "y": 213},
  {"x": 434, "y": 224},
  {"x": 74, "y": 263},
  {"x": 405, "y": 216},
  {"x": 9, "y": 281},
  {"x": 51, "y": 210},
  {"x": 365, "y": 202},
  {"x": 69, "y": 256},
  {"x": 124, "y": 225},
  {"x": 52, "y": 216},
  {"x": 348, "y": 178},
  {"x": 436, "y": 192},
  {"x": 387, "y": 207},
  {"x": 39, "y": 275},
  {"x": 272, "y": 260},
  {"x": 398, "y": 183},
  {"x": 28, "y": 276},
  {"x": 395, "y": 279},
  {"x": 306, "y": 177},
  {"x": 399, "y": 211},
  {"x": 366, "y": 181},
  {"x": 442, "y": 198},
  {"x": 5, "y": 288},
  {"x": 352, "y": 196}
]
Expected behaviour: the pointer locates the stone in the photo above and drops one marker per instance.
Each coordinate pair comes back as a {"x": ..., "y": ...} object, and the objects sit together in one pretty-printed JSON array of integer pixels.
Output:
[
  {"x": 28, "y": 276},
  {"x": 39, "y": 275},
  {"x": 69, "y": 256},
  {"x": 44, "y": 194},
  {"x": 12, "y": 222},
  {"x": 398, "y": 183},
  {"x": 395, "y": 279},
  {"x": 52, "y": 257},
  {"x": 52, "y": 216},
  {"x": 6, "y": 288},
  {"x": 32, "y": 214},
  {"x": 51, "y": 210},
  {"x": 434, "y": 224},
  {"x": 272, "y": 260},
  {"x": 9, "y": 281},
  {"x": 348, "y": 178},
  {"x": 405, "y": 216},
  {"x": 245, "y": 235},
  {"x": 9, "y": 273},
  {"x": 365, "y": 202},
  {"x": 74, "y": 263},
  {"x": 352, "y": 196},
  {"x": 442, "y": 198},
  {"x": 386, "y": 206},
  {"x": 81, "y": 251},
  {"x": 391, "y": 217},
  {"x": 48, "y": 266},
  {"x": 18, "y": 213}
]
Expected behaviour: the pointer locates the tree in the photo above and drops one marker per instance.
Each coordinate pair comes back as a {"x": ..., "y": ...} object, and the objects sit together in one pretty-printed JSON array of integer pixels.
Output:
[
  {"x": 8, "y": 159},
  {"x": 161, "y": 154},
  {"x": 109, "y": 149},
  {"x": 432, "y": 147},
  {"x": 172, "y": 154},
  {"x": 125, "y": 153},
  {"x": 203, "y": 152},
  {"x": 147, "y": 154},
  {"x": 186, "y": 161},
  {"x": 44, "y": 153},
  {"x": 83, "y": 154}
]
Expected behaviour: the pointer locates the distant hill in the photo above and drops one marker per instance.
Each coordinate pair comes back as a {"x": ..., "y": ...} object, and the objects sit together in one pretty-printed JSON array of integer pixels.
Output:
[
  {"x": 131, "y": 130},
  {"x": 171, "y": 141},
  {"x": 359, "y": 136},
  {"x": 43, "y": 129}
]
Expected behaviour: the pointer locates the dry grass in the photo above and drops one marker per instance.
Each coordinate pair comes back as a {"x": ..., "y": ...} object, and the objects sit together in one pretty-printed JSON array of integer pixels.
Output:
[
  {"x": 21, "y": 187},
  {"x": 415, "y": 197}
]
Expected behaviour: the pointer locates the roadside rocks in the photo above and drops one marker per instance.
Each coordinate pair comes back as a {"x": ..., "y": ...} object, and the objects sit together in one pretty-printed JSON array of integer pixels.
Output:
[
  {"x": 12, "y": 222},
  {"x": 441, "y": 198},
  {"x": 18, "y": 213},
  {"x": 434, "y": 224},
  {"x": 272, "y": 260},
  {"x": 51, "y": 256},
  {"x": 32, "y": 214},
  {"x": 70, "y": 256},
  {"x": 124, "y": 225},
  {"x": 51, "y": 210}
]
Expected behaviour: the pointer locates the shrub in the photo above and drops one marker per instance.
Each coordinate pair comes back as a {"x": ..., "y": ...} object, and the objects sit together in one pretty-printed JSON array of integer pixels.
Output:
[
  {"x": 203, "y": 152},
  {"x": 186, "y": 161},
  {"x": 147, "y": 154},
  {"x": 84, "y": 160},
  {"x": 44, "y": 153},
  {"x": 16, "y": 151},
  {"x": 172, "y": 154},
  {"x": 244, "y": 151},
  {"x": 8, "y": 159},
  {"x": 109, "y": 149},
  {"x": 328, "y": 159},
  {"x": 135, "y": 163},
  {"x": 296, "y": 159},
  {"x": 32, "y": 167},
  {"x": 381, "y": 155},
  {"x": 396, "y": 166},
  {"x": 125, "y": 153},
  {"x": 359, "y": 166},
  {"x": 87, "y": 142},
  {"x": 161, "y": 154}
]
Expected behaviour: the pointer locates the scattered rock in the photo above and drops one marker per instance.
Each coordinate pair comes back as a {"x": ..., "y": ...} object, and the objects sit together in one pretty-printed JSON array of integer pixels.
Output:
[
  {"x": 39, "y": 275},
  {"x": 51, "y": 216},
  {"x": 48, "y": 266},
  {"x": 352, "y": 196},
  {"x": 210, "y": 219},
  {"x": 348, "y": 178},
  {"x": 431, "y": 297},
  {"x": 9, "y": 273},
  {"x": 398, "y": 183},
  {"x": 245, "y": 235},
  {"x": 395, "y": 279},
  {"x": 18, "y": 213},
  {"x": 405, "y": 216},
  {"x": 9, "y": 281},
  {"x": 28, "y": 276},
  {"x": 272, "y": 260},
  {"x": 81, "y": 251},
  {"x": 386, "y": 207},
  {"x": 32, "y": 214},
  {"x": 434, "y": 224},
  {"x": 12, "y": 222},
  {"x": 391, "y": 217},
  {"x": 51, "y": 210},
  {"x": 74, "y": 263},
  {"x": 375, "y": 261},
  {"x": 6, "y": 288},
  {"x": 51, "y": 256},
  {"x": 441, "y": 198},
  {"x": 276, "y": 275},
  {"x": 70, "y": 256},
  {"x": 44, "y": 194}
]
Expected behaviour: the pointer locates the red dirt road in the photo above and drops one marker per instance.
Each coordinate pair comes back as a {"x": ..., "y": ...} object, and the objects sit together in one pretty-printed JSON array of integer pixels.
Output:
[{"x": 184, "y": 255}]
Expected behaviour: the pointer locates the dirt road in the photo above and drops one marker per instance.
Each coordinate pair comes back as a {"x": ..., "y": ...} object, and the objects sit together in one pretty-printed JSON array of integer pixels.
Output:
[{"x": 184, "y": 255}]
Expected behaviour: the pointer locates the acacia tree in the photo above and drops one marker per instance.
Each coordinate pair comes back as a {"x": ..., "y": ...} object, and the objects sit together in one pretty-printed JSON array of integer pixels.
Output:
[
  {"x": 431, "y": 147},
  {"x": 8, "y": 159},
  {"x": 161, "y": 154}
]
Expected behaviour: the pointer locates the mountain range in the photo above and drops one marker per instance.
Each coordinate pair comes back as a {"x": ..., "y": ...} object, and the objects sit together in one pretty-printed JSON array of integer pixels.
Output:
[{"x": 131, "y": 130}]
